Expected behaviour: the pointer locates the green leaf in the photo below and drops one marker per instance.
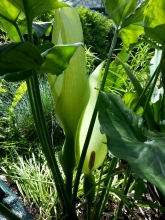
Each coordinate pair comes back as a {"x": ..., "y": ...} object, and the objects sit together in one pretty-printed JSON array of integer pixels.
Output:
[
  {"x": 18, "y": 57},
  {"x": 132, "y": 77},
  {"x": 57, "y": 60},
  {"x": 45, "y": 47},
  {"x": 8, "y": 18},
  {"x": 17, "y": 76},
  {"x": 137, "y": 16},
  {"x": 130, "y": 34},
  {"x": 38, "y": 7},
  {"x": 132, "y": 26},
  {"x": 2, "y": 89},
  {"x": 117, "y": 78},
  {"x": 130, "y": 99},
  {"x": 8, "y": 11},
  {"x": 140, "y": 188},
  {"x": 40, "y": 28},
  {"x": 18, "y": 95},
  {"x": 155, "y": 21},
  {"x": 127, "y": 139},
  {"x": 120, "y": 194},
  {"x": 135, "y": 82},
  {"x": 118, "y": 10},
  {"x": 150, "y": 205}
]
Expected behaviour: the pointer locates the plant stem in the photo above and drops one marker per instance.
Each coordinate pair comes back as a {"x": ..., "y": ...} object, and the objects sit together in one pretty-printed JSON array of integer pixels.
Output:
[
  {"x": 89, "y": 207},
  {"x": 125, "y": 188},
  {"x": 109, "y": 59},
  {"x": 38, "y": 115},
  {"x": 68, "y": 184},
  {"x": 90, "y": 129},
  {"x": 19, "y": 32},
  {"x": 37, "y": 111},
  {"x": 29, "y": 21},
  {"x": 105, "y": 192}
]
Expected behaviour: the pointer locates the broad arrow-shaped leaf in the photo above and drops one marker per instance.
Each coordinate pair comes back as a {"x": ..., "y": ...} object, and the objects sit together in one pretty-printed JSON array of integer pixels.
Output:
[
  {"x": 40, "y": 28},
  {"x": 127, "y": 139},
  {"x": 18, "y": 59},
  {"x": 37, "y": 7},
  {"x": 155, "y": 21},
  {"x": 118, "y": 10},
  {"x": 57, "y": 58},
  {"x": 132, "y": 26},
  {"x": 8, "y": 18}
]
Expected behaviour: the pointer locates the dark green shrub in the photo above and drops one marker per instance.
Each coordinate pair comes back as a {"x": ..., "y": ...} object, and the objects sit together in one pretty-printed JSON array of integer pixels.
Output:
[{"x": 97, "y": 30}]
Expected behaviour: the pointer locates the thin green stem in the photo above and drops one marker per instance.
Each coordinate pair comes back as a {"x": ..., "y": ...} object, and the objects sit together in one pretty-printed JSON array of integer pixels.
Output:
[
  {"x": 89, "y": 208},
  {"x": 109, "y": 59},
  {"x": 90, "y": 129},
  {"x": 29, "y": 21},
  {"x": 19, "y": 32},
  {"x": 99, "y": 183},
  {"x": 68, "y": 184},
  {"x": 125, "y": 188},
  {"x": 105, "y": 191},
  {"x": 38, "y": 115},
  {"x": 6, "y": 213}
]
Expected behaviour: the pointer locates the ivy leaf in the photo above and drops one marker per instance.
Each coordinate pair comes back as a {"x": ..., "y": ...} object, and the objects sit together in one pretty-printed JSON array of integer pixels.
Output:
[{"x": 127, "y": 139}]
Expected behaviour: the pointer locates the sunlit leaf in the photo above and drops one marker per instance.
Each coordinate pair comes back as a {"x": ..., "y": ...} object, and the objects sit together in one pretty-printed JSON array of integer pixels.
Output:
[
  {"x": 116, "y": 79},
  {"x": 155, "y": 21},
  {"x": 118, "y": 10},
  {"x": 38, "y": 7},
  {"x": 8, "y": 17},
  {"x": 18, "y": 95},
  {"x": 57, "y": 59},
  {"x": 130, "y": 99},
  {"x": 137, "y": 16},
  {"x": 127, "y": 139},
  {"x": 130, "y": 34},
  {"x": 2, "y": 89}
]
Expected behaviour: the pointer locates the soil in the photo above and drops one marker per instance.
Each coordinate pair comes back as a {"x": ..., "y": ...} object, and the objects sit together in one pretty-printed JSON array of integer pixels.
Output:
[{"x": 140, "y": 213}]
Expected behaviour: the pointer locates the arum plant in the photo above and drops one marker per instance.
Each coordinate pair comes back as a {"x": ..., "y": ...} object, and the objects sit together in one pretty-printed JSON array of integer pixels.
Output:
[
  {"x": 75, "y": 96},
  {"x": 23, "y": 61},
  {"x": 78, "y": 97}
]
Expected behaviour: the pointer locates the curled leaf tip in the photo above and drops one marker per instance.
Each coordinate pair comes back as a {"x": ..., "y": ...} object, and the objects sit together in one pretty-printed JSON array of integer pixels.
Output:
[{"x": 91, "y": 160}]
